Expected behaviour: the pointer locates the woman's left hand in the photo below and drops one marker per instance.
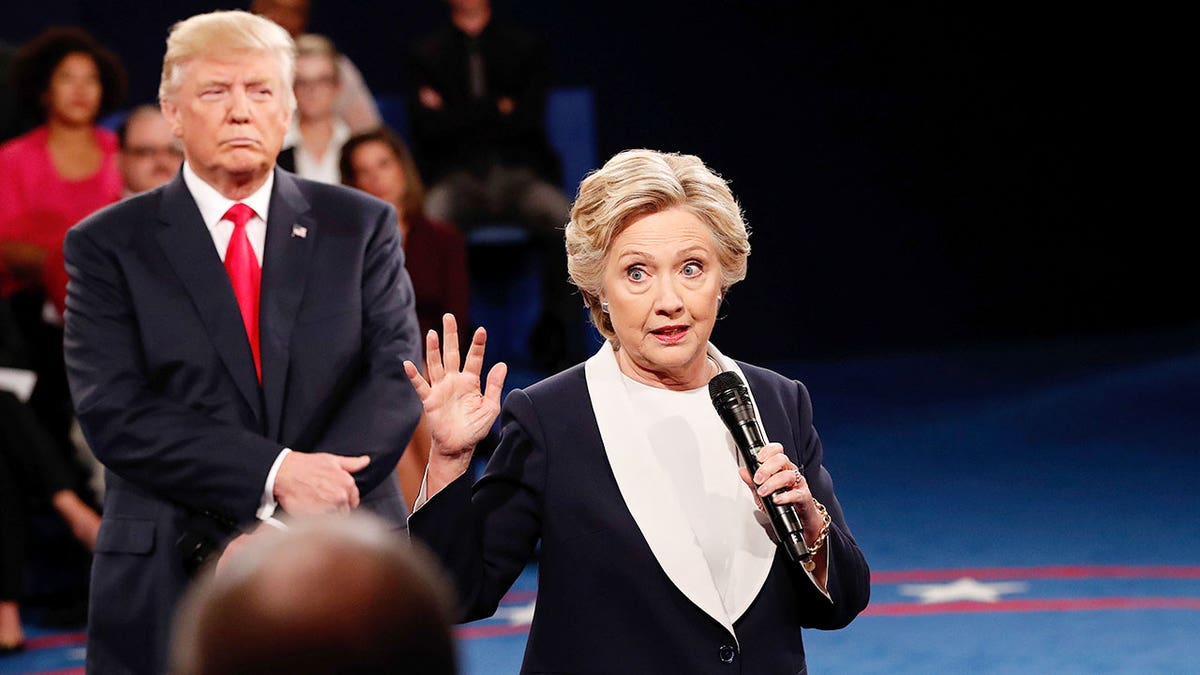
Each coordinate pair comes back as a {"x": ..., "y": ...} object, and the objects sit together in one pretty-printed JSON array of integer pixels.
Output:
[
  {"x": 777, "y": 472},
  {"x": 458, "y": 411}
]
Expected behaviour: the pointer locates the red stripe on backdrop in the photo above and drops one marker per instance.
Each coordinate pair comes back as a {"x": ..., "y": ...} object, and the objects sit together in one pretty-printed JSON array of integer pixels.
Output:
[
  {"x": 1062, "y": 572},
  {"x": 64, "y": 671},
  {"x": 1047, "y": 605},
  {"x": 62, "y": 640}
]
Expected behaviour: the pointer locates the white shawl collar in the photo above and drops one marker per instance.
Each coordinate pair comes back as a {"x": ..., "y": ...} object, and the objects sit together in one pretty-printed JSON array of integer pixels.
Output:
[{"x": 650, "y": 498}]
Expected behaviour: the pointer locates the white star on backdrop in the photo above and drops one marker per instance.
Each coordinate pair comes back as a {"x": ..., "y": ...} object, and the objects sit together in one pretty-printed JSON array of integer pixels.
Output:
[
  {"x": 516, "y": 615},
  {"x": 962, "y": 589}
]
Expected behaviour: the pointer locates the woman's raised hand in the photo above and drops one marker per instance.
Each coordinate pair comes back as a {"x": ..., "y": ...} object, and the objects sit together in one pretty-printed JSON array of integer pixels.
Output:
[{"x": 458, "y": 412}]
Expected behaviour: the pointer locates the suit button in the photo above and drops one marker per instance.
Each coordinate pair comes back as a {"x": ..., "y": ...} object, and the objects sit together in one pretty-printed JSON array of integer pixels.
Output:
[{"x": 726, "y": 653}]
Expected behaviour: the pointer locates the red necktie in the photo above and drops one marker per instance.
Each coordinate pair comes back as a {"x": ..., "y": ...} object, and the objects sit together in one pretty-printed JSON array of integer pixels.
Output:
[{"x": 246, "y": 276}]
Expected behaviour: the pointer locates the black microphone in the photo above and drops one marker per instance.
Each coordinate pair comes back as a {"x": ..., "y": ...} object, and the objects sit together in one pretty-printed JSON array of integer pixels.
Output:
[{"x": 731, "y": 398}]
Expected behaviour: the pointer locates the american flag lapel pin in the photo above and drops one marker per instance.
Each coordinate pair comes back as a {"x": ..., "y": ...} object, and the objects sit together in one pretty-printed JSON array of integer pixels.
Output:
[{"x": 299, "y": 231}]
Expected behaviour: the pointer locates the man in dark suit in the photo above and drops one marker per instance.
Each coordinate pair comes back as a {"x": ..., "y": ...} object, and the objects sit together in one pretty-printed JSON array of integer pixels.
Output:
[{"x": 234, "y": 341}]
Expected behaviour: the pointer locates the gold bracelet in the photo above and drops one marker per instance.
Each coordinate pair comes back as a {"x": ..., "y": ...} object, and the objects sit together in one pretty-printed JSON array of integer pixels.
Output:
[
  {"x": 811, "y": 564},
  {"x": 824, "y": 527}
]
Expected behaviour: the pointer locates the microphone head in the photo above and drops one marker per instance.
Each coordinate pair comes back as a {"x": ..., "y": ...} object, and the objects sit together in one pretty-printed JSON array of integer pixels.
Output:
[
  {"x": 722, "y": 383},
  {"x": 731, "y": 398}
]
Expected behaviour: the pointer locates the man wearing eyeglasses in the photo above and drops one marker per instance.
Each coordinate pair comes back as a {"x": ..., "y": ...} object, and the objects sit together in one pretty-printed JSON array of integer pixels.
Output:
[{"x": 150, "y": 154}]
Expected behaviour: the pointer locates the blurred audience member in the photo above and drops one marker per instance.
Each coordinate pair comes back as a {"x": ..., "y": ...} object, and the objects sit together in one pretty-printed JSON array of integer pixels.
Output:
[
  {"x": 379, "y": 163},
  {"x": 313, "y": 145},
  {"x": 50, "y": 178},
  {"x": 479, "y": 133},
  {"x": 63, "y": 170},
  {"x": 355, "y": 104},
  {"x": 150, "y": 154},
  {"x": 336, "y": 594},
  {"x": 34, "y": 475}
]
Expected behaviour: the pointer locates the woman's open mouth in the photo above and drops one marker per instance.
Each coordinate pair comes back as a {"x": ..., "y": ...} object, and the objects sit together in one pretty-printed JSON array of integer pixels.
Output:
[{"x": 669, "y": 334}]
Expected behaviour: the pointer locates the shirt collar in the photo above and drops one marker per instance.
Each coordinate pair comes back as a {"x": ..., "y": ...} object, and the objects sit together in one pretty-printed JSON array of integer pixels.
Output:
[
  {"x": 213, "y": 204},
  {"x": 341, "y": 134}
]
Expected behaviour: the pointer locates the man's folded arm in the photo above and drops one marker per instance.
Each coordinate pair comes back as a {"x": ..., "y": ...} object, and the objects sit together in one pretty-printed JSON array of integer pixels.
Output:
[
  {"x": 146, "y": 438},
  {"x": 380, "y": 410}
]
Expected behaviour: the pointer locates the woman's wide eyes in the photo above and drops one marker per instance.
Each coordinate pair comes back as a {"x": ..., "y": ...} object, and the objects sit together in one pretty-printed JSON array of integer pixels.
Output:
[{"x": 638, "y": 273}]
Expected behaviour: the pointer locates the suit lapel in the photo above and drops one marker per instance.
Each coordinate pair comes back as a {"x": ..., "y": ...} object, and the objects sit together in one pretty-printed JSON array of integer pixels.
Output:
[
  {"x": 647, "y": 494},
  {"x": 285, "y": 265},
  {"x": 646, "y": 490},
  {"x": 188, "y": 246}
]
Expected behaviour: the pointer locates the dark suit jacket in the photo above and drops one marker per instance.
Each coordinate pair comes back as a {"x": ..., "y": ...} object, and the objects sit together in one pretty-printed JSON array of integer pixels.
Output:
[
  {"x": 604, "y": 603},
  {"x": 165, "y": 387},
  {"x": 287, "y": 159}
]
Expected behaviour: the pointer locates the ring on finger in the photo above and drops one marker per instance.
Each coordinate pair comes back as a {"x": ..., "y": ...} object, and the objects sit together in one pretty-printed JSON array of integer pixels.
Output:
[{"x": 799, "y": 477}]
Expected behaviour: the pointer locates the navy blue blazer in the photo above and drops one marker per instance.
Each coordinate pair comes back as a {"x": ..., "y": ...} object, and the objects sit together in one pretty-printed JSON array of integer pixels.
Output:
[
  {"x": 604, "y": 603},
  {"x": 166, "y": 392}
]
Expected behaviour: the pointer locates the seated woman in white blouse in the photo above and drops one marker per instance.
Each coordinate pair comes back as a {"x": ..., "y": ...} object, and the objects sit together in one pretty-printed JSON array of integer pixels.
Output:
[
  {"x": 312, "y": 148},
  {"x": 655, "y": 556}
]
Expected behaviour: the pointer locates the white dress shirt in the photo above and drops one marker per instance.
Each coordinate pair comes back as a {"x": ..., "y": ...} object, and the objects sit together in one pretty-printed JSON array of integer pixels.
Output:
[
  {"x": 687, "y": 436},
  {"x": 213, "y": 205}
]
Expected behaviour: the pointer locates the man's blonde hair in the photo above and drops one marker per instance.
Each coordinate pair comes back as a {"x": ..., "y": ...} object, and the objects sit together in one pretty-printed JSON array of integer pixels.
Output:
[{"x": 218, "y": 33}]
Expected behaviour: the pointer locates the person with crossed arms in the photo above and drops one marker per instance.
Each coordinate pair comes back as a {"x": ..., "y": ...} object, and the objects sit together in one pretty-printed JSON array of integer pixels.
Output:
[{"x": 234, "y": 340}]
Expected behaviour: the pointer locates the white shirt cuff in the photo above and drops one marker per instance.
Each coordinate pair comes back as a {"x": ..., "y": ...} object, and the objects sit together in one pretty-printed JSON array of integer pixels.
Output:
[
  {"x": 822, "y": 585},
  {"x": 422, "y": 497},
  {"x": 267, "y": 506}
]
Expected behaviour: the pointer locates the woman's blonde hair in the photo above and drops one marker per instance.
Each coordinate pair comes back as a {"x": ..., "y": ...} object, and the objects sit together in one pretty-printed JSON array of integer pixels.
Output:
[
  {"x": 639, "y": 182},
  {"x": 312, "y": 44},
  {"x": 217, "y": 34}
]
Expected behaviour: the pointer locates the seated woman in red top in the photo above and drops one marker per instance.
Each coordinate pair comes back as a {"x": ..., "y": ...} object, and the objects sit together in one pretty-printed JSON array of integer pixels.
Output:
[
  {"x": 379, "y": 163},
  {"x": 60, "y": 172},
  {"x": 435, "y": 253}
]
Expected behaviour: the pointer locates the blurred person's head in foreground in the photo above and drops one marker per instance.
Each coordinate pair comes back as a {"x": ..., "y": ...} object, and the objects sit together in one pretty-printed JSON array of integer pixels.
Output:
[{"x": 339, "y": 594}]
